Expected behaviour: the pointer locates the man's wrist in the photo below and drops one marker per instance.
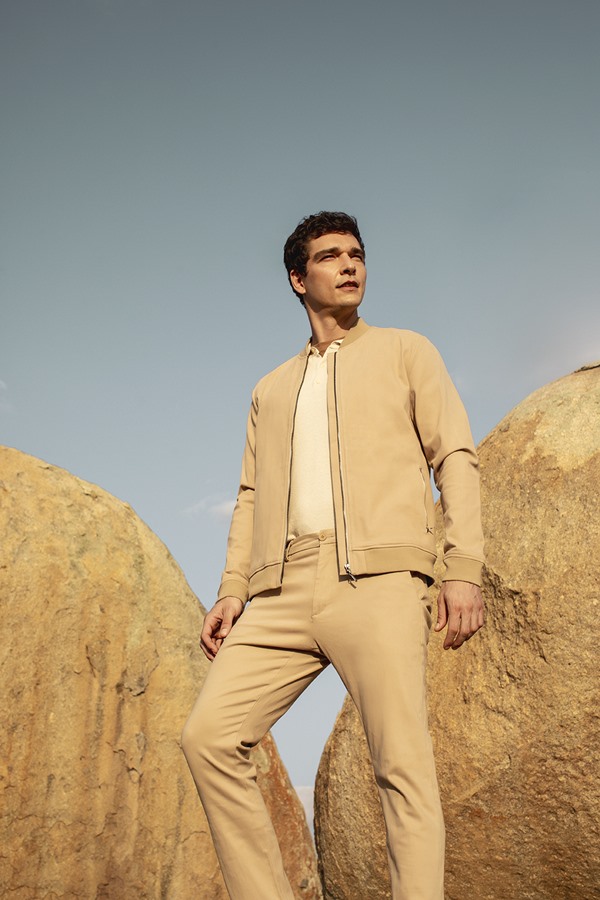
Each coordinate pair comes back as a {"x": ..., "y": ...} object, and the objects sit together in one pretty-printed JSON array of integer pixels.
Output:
[{"x": 237, "y": 599}]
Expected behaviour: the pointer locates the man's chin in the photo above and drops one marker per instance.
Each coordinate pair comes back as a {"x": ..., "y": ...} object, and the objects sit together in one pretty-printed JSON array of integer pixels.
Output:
[{"x": 342, "y": 304}]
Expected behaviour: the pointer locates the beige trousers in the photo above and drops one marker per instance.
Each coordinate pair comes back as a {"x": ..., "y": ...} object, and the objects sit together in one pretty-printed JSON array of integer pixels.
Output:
[{"x": 375, "y": 633}]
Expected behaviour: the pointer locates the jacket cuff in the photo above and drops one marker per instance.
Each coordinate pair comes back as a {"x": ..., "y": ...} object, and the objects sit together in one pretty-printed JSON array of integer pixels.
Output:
[
  {"x": 460, "y": 568},
  {"x": 231, "y": 588}
]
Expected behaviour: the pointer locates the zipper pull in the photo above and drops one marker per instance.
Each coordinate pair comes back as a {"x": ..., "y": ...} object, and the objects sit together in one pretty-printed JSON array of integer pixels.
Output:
[{"x": 349, "y": 573}]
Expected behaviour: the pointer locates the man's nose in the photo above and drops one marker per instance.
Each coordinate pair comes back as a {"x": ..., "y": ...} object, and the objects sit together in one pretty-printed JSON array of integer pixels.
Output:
[{"x": 348, "y": 264}]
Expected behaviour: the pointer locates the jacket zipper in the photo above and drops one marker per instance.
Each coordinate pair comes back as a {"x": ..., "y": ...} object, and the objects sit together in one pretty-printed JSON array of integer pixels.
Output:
[
  {"x": 428, "y": 529},
  {"x": 347, "y": 568},
  {"x": 289, "y": 494}
]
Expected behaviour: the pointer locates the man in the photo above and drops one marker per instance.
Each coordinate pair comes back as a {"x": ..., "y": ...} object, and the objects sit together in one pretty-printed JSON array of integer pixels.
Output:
[{"x": 332, "y": 543}]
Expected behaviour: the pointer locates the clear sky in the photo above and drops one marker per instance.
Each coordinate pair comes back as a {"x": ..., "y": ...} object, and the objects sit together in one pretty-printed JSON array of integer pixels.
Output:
[{"x": 155, "y": 156}]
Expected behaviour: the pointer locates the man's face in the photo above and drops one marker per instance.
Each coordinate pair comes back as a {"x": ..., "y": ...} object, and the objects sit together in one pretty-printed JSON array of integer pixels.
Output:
[{"x": 336, "y": 274}]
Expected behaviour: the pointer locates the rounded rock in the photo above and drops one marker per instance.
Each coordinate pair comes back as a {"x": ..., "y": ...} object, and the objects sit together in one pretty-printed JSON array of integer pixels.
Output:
[
  {"x": 514, "y": 713},
  {"x": 100, "y": 666}
]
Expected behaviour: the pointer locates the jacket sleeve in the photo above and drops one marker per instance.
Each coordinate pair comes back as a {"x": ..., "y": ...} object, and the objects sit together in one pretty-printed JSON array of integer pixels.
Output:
[
  {"x": 235, "y": 578},
  {"x": 445, "y": 435}
]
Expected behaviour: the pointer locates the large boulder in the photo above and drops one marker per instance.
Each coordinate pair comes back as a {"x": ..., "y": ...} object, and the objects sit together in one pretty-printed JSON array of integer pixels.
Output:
[
  {"x": 99, "y": 667},
  {"x": 515, "y": 714}
]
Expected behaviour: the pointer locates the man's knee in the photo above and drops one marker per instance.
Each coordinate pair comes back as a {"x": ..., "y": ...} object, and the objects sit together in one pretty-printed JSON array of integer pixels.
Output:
[
  {"x": 199, "y": 739},
  {"x": 207, "y": 743},
  {"x": 189, "y": 739}
]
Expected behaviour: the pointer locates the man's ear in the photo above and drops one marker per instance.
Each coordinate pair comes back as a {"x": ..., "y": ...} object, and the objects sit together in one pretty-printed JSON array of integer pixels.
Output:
[{"x": 297, "y": 282}]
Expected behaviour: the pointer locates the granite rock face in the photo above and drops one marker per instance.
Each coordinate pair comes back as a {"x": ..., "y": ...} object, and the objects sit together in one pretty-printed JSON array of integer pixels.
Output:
[
  {"x": 99, "y": 667},
  {"x": 515, "y": 714}
]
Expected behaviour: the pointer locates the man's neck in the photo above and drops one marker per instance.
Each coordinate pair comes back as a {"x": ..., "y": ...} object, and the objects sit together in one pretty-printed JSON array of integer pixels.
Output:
[{"x": 326, "y": 329}]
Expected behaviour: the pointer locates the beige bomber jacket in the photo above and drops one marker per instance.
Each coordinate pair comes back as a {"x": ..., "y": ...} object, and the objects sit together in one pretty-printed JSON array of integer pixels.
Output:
[{"x": 394, "y": 416}]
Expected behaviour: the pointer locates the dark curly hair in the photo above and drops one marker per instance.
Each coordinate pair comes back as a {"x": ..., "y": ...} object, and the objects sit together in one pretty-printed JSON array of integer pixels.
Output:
[{"x": 295, "y": 252}]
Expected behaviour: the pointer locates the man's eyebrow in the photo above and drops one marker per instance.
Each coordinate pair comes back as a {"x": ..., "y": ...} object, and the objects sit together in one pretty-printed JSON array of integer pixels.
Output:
[{"x": 336, "y": 250}]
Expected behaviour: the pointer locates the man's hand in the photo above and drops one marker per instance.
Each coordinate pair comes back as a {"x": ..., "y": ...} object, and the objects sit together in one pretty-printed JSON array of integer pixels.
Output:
[
  {"x": 218, "y": 623},
  {"x": 460, "y": 605}
]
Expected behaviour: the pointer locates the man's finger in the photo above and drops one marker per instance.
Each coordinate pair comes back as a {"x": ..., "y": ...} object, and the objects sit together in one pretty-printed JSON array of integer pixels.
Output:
[
  {"x": 462, "y": 636},
  {"x": 210, "y": 626},
  {"x": 442, "y": 616},
  {"x": 208, "y": 654},
  {"x": 208, "y": 647},
  {"x": 207, "y": 641},
  {"x": 453, "y": 631},
  {"x": 477, "y": 620},
  {"x": 226, "y": 624},
  {"x": 470, "y": 625}
]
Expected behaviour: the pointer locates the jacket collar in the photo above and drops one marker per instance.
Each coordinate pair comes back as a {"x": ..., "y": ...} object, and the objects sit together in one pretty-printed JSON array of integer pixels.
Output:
[{"x": 357, "y": 330}]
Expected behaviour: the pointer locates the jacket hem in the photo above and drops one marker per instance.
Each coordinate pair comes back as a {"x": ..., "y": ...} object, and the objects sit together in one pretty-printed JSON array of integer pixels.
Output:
[
  {"x": 378, "y": 560},
  {"x": 374, "y": 561}
]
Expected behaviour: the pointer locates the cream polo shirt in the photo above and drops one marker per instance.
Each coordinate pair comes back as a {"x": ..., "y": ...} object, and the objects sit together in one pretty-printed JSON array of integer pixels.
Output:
[{"x": 311, "y": 491}]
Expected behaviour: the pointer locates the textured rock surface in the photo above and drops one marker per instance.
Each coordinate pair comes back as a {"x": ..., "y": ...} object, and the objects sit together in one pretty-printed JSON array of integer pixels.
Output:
[
  {"x": 99, "y": 666},
  {"x": 515, "y": 714}
]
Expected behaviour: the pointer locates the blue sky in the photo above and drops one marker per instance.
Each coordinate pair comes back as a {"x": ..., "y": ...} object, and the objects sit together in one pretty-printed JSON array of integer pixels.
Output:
[{"x": 154, "y": 157}]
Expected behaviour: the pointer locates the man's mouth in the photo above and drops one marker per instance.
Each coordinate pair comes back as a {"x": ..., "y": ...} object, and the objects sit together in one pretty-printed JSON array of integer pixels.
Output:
[{"x": 348, "y": 284}]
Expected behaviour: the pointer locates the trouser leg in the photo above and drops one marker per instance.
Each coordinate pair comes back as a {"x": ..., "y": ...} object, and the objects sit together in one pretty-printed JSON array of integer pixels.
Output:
[
  {"x": 375, "y": 634},
  {"x": 265, "y": 663}
]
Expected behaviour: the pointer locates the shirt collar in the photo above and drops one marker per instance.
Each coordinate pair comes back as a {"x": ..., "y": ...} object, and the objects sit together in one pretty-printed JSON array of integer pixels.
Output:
[{"x": 334, "y": 345}]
